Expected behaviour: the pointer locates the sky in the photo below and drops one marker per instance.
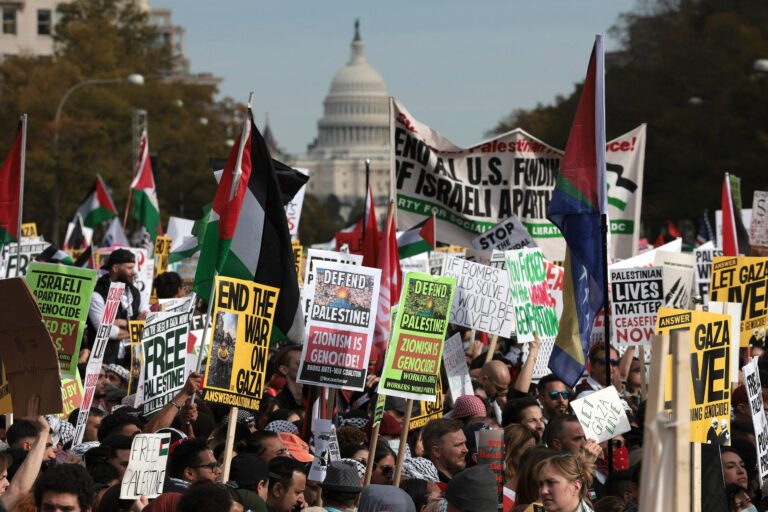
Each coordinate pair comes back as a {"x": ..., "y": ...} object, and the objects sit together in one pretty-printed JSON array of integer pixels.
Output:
[{"x": 457, "y": 65}]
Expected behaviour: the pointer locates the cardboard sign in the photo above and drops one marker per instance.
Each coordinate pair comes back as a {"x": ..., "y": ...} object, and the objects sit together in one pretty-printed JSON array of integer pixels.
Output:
[
  {"x": 482, "y": 300},
  {"x": 29, "y": 356},
  {"x": 29, "y": 229},
  {"x": 239, "y": 345},
  {"x": 16, "y": 260},
  {"x": 145, "y": 474},
  {"x": 428, "y": 410},
  {"x": 507, "y": 235},
  {"x": 758, "y": 227},
  {"x": 455, "y": 364},
  {"x": 490, "y": 452},
  {"x": 601, "y": 415},
  {"x": 135, "y": 328},
  {"x": 412, "y": 367},
  {"x": 339, "y": 331},
  {"x": 326, "y": 448},
  {"x": 534, "y": 306},
  {"x": 759, "y": 422},
  {"x": 743, "y": 280},
  {"x": 298, "y": 259},
  {"x": 636, "y": 296},
  {"x": 710, "y": 371},
  {"x": 93, "y": 368},
  {"x": 63, "y": 294},
  {"x": 164, "y": 345},
  {"x": 679, "y": 269},
  {"x": 71, "y": 395},
  {"x": 705, "y": 254},
  {"x": 316, "y": 255}
]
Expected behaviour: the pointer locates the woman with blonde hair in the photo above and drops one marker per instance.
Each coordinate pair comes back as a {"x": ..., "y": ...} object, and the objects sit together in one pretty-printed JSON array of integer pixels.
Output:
[
  {"x": 563, "y": 482},
  {"x": 518, "y": 439}
]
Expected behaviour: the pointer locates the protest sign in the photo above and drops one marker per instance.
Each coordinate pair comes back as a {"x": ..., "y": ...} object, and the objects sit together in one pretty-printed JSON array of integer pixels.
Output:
[
  {"x": 490, "y": 452},
  {"x": 507, "y": 235},
  {"x": 16, "y": 259},
  {"x": 135, "y": 328},
  {"x": 29, "y": 356},
  {"x": 63, "y": 294},
  {"x": 339, "y": 331},
  {"x": 428, "y": 410},
  {"x": 636, "y": 296},
  {"x": 435, "y": 262},
  {"x": 239, "y": 346},
  {"x": 145, "y": 474},
  {"x": 298, "y": 259},
  {"x": 455, "y": 364},
  {"x": 326, "y": 448},
  {"x": 293, "y": 208},
  {"x": 194, "y": 339},
  {"x": 534, "y": 306},
  {"x": 732, "y": 309},
  {"x": 705, "y": 254},
  {"x": 759, "y": 423},
  {"x": 482, "y": 300},
  {"x": 412, "y": 367},
  {"x": 601, "y": 415},
  {"x": 313, "y": 256},
  {"x": 29, "y": 229},
  {"x": 679, "y": 270},
  {"x": 470, "y": 190},
  {"x": 743, "y": 280},
  {"x": 418, "y": 263},
  {"x": 710, "y": 336},
  {"x": 162, "y": 250},
  {"x": 93, "y": 368},
  {"x": 71, "y": 395},
  {"x": 758, "y": 227},
  {"x": 164, "y": 347}
]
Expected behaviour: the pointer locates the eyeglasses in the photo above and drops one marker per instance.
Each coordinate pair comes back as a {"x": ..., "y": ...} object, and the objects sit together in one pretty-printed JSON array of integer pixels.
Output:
[
  {"x": 563, "y": 394},
  {"x": 213, "y": 466}
]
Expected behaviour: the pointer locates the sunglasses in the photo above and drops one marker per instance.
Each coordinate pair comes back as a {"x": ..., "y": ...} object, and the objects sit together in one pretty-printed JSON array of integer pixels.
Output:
[
  {"x": 614, "y": 362},
  {"x": 563, "y": 394}
]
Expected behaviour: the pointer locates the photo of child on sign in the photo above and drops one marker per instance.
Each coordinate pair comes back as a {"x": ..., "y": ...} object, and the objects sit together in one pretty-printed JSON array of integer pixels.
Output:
[{"x": 223, "y": 350}]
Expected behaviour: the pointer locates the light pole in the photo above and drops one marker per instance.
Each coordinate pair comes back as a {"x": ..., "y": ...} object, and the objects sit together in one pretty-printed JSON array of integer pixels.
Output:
[{"x": 134, "y": 79}]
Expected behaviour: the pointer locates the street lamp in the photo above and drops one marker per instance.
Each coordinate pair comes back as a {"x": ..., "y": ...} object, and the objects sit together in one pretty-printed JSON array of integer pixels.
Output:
[{"x": 134, "y": 79}]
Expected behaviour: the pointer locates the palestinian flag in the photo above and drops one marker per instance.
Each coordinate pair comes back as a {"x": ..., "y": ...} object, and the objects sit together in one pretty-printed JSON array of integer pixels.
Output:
[
  {"x": 98, "y": 207},
  {"x": 248, "y": 216},
  {"x": 145, "y": 207},
  {"x": 11, "y": 189},
  {"x": 191, "y": 244},
  {"x": 53, "y": 255},
  {"x": 76, "y": 237},
  {"x": 420, "y": 238}
]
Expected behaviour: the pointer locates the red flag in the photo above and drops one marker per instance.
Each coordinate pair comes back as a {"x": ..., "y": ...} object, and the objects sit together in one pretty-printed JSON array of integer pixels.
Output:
[
  {"x": 371, "y": 235},
  {"x": 391, "y": 281},
  {"x": 672, "y": 229},
  {"x": 10, "y": 190},
  {"x": 730, "y": 238}
]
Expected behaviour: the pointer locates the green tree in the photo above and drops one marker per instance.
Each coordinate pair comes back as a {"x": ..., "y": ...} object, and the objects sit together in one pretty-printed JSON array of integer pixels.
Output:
[{"x": 687, "y": 69}]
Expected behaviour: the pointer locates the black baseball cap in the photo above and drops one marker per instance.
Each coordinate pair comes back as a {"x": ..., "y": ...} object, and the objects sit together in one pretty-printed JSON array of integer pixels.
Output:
[{"x": 117, "y": 257}]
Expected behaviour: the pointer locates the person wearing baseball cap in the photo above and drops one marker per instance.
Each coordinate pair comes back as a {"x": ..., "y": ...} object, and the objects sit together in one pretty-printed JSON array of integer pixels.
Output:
[
  {"x": 120, "y": 267},
  {"x": 296, "y": 447}
]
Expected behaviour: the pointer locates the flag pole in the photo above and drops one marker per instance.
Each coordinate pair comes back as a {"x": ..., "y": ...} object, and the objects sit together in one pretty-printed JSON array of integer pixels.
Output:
[
  {"x": 22, "y": 164},
  {"x": 607, "y": 320},
  {"x": 367, "y": 193}
]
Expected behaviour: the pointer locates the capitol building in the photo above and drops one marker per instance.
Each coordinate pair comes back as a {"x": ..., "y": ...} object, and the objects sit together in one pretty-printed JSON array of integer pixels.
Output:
[{"x": 354, "y": 127}]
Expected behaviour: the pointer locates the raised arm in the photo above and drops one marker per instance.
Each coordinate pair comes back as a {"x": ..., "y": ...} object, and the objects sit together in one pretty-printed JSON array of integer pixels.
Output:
[
  {"x": 165, "y": 416},
  {"x": 523, "y": 383}
]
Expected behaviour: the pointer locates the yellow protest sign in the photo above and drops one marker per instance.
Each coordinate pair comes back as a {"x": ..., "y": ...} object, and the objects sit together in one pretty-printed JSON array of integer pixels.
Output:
[
  {"x": 71, "y": 395},
  {"x": 162, "y": 250},
  {"x": 298, "y": 259},
  {"x": 744, "y": 280},
  {"x": 710, "y": 336},
  {"x": 29, "y": 229},
  {"x": 135, "y": 328},
  {"x": 428, "y": 411},
  {"x": 239, "y": 346}
]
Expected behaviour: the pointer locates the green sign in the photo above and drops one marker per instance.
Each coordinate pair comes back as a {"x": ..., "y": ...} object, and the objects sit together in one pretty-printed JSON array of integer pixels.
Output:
[
  {"x": 412, "y": 367},
  {"x": 63, "y": 294}
]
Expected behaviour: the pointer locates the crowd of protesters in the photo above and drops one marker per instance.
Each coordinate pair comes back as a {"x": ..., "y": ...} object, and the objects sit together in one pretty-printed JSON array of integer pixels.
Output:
[{"x": 548, "y": 461}]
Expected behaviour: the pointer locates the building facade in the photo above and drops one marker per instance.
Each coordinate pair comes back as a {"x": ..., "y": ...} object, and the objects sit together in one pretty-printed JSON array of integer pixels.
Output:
[{"x": 27, "y": 27}]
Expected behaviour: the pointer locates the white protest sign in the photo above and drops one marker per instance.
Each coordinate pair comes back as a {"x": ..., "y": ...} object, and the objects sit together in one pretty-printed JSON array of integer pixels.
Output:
[
  {"x": 482, "y": 299},
  {"x": 637, "y": 294},
  {"x": 293, "y": 208},
  {"x": 145, "y": 474},
  {"x": 164, "y": 341},
  {"x": 759, "y": 422},
  {"x": 507, "y": 235},
  {"x": 326, "y": 448},
  {"x": 705, "y": 253},
  {"x": 17, "y": 259},
  {"x": 455, "y": 364},
  {"x": 418, "y": 263},
  {"x": 679, "y": 270},
  {"x": 601, "y": 415},
  {"x": 93, "y": 368},
  {"x": 758, "y": 227},
  {"x": 314, "y": 255}
]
